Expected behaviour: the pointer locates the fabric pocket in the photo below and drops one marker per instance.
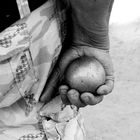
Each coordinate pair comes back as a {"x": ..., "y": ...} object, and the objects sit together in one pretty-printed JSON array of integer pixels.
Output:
[{"x": 17, "y": 73}]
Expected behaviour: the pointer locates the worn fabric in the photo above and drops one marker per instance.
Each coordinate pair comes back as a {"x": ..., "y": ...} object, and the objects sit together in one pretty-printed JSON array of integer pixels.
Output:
[{"x": 29, "y": 50}]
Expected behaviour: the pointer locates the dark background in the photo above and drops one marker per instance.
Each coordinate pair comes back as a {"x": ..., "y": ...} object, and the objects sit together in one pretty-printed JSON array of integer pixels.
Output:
[{"x": 9, "y": 11}]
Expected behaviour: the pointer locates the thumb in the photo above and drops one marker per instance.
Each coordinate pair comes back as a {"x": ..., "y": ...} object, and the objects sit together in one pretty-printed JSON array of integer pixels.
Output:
[
  {"x": 57, "y": 74},
  {"x": 50, "y": 88}
]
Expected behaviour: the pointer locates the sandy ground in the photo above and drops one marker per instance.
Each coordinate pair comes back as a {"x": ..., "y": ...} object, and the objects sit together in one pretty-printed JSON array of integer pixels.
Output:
[{"x": 118, "y": 116}]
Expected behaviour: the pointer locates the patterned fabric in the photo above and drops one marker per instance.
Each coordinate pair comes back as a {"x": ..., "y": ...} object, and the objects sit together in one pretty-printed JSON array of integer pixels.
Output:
[
  {"x": 22, "y": 69},
  {"x": 32, "y": 137},
  {"x": 29, "y": 50},
  {"x": 6, "y": 42},
  {"x": 13, "y": 40},
  {"x": 16, "y": 64},
  {"x": 9, "y": 33}
]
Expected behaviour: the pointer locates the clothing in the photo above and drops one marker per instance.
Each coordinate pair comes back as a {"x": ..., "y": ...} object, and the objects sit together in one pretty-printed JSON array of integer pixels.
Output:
[
  {"x": 41, "y": 35},
  {"x": 29, "y": 50}
]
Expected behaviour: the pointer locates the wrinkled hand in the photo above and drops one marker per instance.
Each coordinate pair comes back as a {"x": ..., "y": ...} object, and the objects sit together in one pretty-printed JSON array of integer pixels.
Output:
[
  {"x": 72, "y": 96},
  {"x": 90, "y": 36}
]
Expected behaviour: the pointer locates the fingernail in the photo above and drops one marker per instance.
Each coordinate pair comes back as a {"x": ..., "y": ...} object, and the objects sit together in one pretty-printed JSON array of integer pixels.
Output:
[
  {"x": 73, "y": 94},
  {"x": 86, "y": 99},
  {"x": 63, "y": 91},
  {"x": 102, "y": 92},
  {"x": 105, "y": 91}
]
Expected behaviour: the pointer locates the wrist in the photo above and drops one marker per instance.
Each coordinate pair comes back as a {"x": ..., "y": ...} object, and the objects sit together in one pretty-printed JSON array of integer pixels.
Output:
[{"x": 96, "y": 39}]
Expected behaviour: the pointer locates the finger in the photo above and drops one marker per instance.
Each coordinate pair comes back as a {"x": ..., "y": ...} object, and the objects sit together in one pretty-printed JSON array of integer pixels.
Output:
[
  {"x": 104, "y": 58},
  {"x": 74, "y": 98},
  {"x": 90, "y": 99},
  {"x": 50, "y": 88},
  {"x": 63, "y": 93},
  {"x": 106, "y": 88},
  {"x": 57, "y": 73},
  {"x": 109, "y": 83}
]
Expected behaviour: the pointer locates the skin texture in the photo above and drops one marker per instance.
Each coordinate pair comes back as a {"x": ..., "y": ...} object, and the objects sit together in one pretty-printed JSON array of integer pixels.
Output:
[
  {"x": 89, "y": 37},
  {"x": 90, "y": 22}
]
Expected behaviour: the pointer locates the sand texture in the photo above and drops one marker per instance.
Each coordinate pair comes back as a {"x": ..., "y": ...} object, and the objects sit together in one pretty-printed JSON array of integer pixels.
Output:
[{"x": 118, "y": 116}]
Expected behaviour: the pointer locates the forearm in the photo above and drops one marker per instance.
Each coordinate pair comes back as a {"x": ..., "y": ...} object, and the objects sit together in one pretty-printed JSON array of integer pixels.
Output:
[{"x": 90, "y": 22}]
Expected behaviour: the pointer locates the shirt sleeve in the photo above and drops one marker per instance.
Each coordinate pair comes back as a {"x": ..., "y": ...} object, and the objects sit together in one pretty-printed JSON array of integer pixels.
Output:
[{"x": 90, "y": 19}]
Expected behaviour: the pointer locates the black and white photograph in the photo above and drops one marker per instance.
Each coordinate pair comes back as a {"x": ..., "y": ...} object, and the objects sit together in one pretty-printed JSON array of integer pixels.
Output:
[{"x": 70, "y": 70}]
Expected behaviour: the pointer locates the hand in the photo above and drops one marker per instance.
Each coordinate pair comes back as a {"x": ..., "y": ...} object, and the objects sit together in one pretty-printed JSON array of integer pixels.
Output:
[
  {"x": 71, "y": 95},
  {"x": 90, "y": 34}
]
